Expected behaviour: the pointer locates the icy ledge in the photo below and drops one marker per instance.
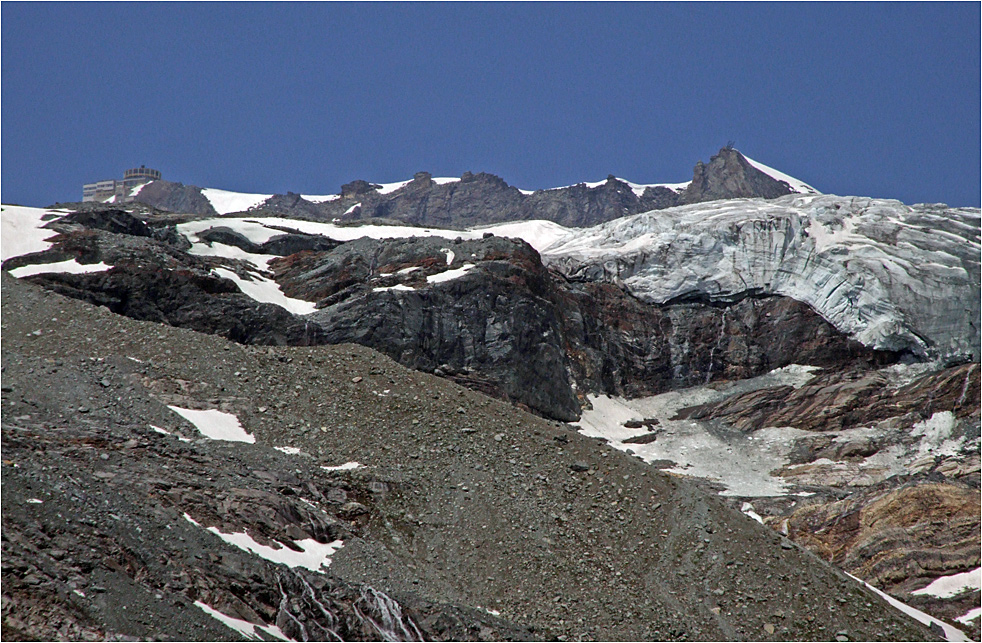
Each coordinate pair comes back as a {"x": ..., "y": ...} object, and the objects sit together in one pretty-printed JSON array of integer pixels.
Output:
[{"x": 892, "y": 276}]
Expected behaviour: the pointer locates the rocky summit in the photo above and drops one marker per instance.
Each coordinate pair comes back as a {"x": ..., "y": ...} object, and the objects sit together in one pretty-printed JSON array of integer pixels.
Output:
[{"x": 732, "y": 409}]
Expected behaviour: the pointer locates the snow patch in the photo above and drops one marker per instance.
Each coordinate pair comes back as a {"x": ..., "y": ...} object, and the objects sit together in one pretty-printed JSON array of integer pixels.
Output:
[
  {"x": 951, "y": 633},
  {"x": 70, "y": 266},
  {"x": 388, "y": 188},
  {"x": 34, "y": 501},
  {"x": 347, "y": 466},
  {"x": 741, "y": 463},
  {"x": 314, "y": 556},
  {"x": 970, "y": 616},
  {"x": 166, "y": 432},
  {"x": 245, "y": 628},
  {"x": 748, "y": 509},
  {"x": 395, "y": 287},
  {"x": 449, "y": 275},
  {"x": 215, "y": 424},
  {"x": 323, "y": 198},
  {"x": 267, "y": 291},
  {"x": 289, "y": 450},
  {"x": 949, "y": 586},
  {"x": 537, "y": 233},
  {"x": 225, "y": 202}
]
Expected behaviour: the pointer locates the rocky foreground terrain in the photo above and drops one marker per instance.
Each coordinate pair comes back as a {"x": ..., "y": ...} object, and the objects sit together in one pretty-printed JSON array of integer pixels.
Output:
[
  {"x": 666, "y": 426},
  {"x": 470, "y": 519}
]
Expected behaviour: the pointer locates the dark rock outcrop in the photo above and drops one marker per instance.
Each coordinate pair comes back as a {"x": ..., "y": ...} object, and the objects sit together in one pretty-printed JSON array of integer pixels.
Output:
[
  {"x": 728, "y": 175},
  {"x": 836, "y": 401},
  {"x": 504, "y": 324},
  {"x": 175, "y": 197},
  {"x": 510, "y": 325}
]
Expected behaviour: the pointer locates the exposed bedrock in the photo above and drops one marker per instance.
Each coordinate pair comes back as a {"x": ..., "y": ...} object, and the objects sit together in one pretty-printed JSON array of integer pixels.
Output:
[
  {"x": 892, "y": 473},
  {"x": 486, "y": 312},
  {"x": 538, "y": 338}
]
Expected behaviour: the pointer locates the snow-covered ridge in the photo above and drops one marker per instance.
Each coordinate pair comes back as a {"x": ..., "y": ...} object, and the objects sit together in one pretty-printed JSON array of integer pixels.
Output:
[
  {"x": 226, "y": 202},
  {"x": 637, "y": 188},
  {"x": 892, "y": 276},
  {"x": 796, "y": 184}
]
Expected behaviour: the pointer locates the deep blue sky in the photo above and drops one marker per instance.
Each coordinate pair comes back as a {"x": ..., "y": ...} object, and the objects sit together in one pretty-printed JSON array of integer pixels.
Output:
[{"x": 861, "y": 99}]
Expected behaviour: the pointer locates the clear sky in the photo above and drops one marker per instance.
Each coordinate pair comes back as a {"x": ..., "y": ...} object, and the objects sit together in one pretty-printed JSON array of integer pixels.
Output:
[{"x": 877, "y": 99}]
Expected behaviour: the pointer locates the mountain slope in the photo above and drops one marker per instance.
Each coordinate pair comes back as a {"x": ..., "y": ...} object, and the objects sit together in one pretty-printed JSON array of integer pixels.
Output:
[{"x": 477, "y": 506}]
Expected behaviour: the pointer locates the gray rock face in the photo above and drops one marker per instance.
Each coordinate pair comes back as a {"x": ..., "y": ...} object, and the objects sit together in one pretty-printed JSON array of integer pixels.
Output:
[
  {"x": 482, "y": 198},
  {"x": 509, "y": 327},
  {"x": 175, "y": 197},
  {"x": 729, "y": 176}
]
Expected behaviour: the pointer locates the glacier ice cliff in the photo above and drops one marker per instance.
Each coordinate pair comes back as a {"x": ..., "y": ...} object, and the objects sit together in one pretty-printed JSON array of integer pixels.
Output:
[{"x": 892, "y": 276}]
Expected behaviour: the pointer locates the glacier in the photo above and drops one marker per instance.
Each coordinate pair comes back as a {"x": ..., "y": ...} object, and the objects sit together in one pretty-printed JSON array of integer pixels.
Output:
[{"x": 892, "y": 276}]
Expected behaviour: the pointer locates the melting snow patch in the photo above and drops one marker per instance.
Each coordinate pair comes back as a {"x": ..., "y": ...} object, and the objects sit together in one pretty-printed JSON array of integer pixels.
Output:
[
  {"x": 216, "y": 424},
  {"x": 34, "y": 501},
  {"x": 450, "y": 255},
  {"x": 344, "y": 467},
  {"x": 951, "y": 633},
  {"x": 313, "y": 555},
  {"x": 936, "y": 431},
  {"x": 748, "y": 509},
  {"x": 288, "y": 450},
  {"x": 352, "y": 208},
  {"x": 245, "y": 628},
  {"x": 949, "y": 586},
  {"x": 71, "y": 266},
  {"x": 740, "y": 462},
  {"x": 268, "y": 291},
  {"x": 970, "y": 616},
  {"x": 166, "y": 432},
  {"x": 320, "y": 198},
  {"x": 449, "y": 275},
  {"x": 396, "y": 287}
]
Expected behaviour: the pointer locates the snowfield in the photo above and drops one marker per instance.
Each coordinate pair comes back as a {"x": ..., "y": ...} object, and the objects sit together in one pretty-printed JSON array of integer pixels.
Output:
[{"x": 21, "y": 232}]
